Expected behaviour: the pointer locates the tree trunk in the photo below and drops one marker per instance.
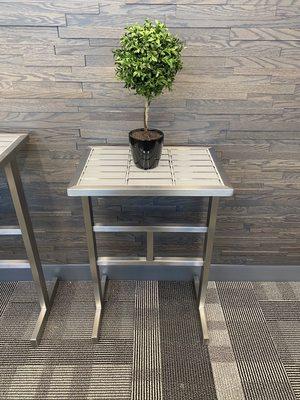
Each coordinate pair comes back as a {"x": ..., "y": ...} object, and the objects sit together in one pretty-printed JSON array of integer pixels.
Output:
[{"x": 146, "y": 116}]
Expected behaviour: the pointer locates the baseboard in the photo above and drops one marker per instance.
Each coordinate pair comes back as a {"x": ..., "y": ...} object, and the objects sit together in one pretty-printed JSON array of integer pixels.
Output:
[{"x": 19, "y": 270}]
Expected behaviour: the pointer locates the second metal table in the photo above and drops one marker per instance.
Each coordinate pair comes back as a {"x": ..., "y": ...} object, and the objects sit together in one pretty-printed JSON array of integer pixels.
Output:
[
  {"x": 182, "y": 171},
  {"x": 9, "y": 146}
]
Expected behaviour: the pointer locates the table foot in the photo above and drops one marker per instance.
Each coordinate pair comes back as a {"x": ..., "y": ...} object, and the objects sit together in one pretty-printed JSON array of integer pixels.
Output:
[
  {"x": 203, "y": 322},
  {"x": 103, "y": 286},
  {"x": 98, "y": 313},
  {"x": 96, "y": 326},
  {"x": 43, "y": 317},
  {"x": 202, "y": 313},
  {"x": 196, "y": 285}
]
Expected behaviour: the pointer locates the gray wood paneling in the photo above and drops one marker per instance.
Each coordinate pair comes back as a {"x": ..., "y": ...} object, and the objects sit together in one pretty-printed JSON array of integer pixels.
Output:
[{"x": 239, "y": 92}]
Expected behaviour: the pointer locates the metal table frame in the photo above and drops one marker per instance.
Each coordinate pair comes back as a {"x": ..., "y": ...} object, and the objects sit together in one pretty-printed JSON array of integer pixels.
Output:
[
  {"x": 90, "y": 181},
  {"x": 9, "y": 145}
]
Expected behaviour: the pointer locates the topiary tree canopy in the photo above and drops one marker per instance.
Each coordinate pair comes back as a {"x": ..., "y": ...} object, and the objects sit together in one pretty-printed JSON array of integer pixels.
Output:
[{"x": 148, "y": 60}]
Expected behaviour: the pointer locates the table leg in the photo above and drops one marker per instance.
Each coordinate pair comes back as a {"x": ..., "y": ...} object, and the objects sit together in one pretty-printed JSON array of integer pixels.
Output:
[
  {"x": 201, "y": 285},
  {"x": 21, "y": 208},
  {"x": 150, "y": 251},
  {"x": 43, "y": 316},
  {"x": 98, "y": 283}
]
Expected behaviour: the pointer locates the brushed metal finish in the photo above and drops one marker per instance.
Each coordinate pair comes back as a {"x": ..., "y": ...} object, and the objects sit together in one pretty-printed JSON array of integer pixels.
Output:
[
  {"x": 26, "y": 229},
  {"x": 9, "y": 143},
  {"x": 10, "y": 230},
  {"x": 182, "y": 171},
  {"x": 43, "y": 316},
  {"x": 207, "y": 256},
  {"x": 148, "y": 228},
  {"x": 159, "y": 261},
  {"x": 150, "y": 243},
  {"x": 14, "y": 264},
  {"x": 150, "y": 191},
  {"x": 95, "y": 273},
  {"x": 19, "y": 201},
  {"x": 196, "y": 284}
]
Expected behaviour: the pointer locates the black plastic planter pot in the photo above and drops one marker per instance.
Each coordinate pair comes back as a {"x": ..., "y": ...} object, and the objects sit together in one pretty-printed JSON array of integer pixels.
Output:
[{"x": 146, "y": 152}]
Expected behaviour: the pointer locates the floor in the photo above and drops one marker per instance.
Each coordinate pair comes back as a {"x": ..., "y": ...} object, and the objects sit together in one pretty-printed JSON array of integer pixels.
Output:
[{"x": 150, "y": 345}]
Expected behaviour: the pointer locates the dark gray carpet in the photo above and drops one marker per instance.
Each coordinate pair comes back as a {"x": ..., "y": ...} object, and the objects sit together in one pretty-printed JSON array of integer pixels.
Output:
[{"x": 150, "y": 344}]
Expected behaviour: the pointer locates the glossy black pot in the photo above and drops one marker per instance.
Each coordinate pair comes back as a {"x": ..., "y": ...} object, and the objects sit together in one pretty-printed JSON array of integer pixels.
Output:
[{"x": 146, "y": 152}]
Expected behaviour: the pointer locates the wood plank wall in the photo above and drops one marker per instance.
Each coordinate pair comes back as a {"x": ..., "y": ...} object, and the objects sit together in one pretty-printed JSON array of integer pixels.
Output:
[{"x": 239, "y": 92}]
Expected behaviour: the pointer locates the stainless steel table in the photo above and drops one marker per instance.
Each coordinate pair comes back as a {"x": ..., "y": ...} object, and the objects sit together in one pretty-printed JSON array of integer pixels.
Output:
[
  {"x": 182, "y": 171},
  {"x": 9, "y": 145}
]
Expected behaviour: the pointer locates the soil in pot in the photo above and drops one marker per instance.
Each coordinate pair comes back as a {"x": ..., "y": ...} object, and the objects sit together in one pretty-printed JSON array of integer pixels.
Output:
[{"x": 140, "y": 134}]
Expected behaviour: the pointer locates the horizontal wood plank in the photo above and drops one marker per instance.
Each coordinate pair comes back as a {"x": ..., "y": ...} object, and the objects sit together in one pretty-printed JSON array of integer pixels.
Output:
[
  {"x": 30, "y": 14},
  {"x": 262, "y": 33}
]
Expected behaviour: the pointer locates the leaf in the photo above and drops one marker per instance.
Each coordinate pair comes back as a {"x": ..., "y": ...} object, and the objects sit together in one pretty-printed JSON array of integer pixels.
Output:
[{"x": 148, "y": 58}]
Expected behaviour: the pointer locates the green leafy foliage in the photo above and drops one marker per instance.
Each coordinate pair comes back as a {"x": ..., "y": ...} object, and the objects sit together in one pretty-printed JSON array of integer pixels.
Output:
[{"x": 148, "y": 59}]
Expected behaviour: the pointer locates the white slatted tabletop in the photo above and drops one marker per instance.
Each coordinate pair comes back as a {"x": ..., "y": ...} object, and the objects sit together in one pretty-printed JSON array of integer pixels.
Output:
[
  {"x": 186, "y": 171},
  {"x": 8, "y": 144}
]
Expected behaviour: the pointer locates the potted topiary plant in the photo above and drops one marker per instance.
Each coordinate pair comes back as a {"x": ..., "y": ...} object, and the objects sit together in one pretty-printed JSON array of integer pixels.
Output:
[{"x": 147, "y": 61}]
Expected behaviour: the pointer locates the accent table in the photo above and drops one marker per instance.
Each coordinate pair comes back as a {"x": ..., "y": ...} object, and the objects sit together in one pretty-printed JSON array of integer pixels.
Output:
[
  {"x": 182, "y": 171},
  {"x": 9, "y": 145}
]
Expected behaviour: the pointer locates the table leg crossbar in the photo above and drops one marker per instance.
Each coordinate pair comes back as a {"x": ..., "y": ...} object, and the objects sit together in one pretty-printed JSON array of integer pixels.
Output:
[
  {"x": 99, "y": 279},
  {"x": 25, "y": 228}
]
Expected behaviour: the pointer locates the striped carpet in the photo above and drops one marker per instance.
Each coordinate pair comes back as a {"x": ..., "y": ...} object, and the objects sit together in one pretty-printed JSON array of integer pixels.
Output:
[{"x": 150, "y": 344}]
